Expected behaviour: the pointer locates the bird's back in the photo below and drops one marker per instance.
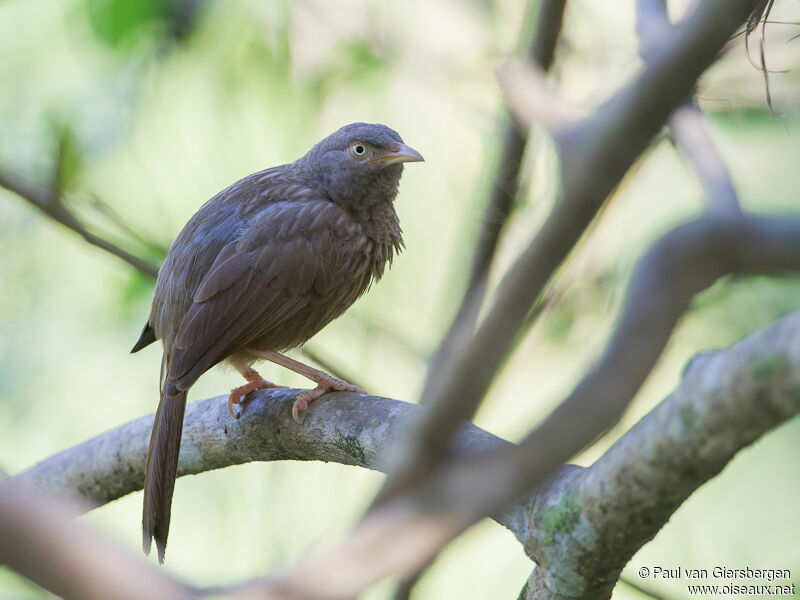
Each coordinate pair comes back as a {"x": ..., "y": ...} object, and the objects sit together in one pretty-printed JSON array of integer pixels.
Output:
[{"x": 217, "y": 223}]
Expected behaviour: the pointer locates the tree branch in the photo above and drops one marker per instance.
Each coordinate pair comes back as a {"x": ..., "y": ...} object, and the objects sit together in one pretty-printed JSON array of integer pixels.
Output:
[
  {"x": 50, "y": 204},
  {"x": 40, "y": 540},
  {"x": 346, "y": 428},
  {"x": 726, "y": 400},
  {"x": 686, "y": 124},
  {"x": 595, "y": 155},
  {"x": 445, "y": 482},
  {"x": 504, "y": 190},
  {"x": 681, "y": 264}
]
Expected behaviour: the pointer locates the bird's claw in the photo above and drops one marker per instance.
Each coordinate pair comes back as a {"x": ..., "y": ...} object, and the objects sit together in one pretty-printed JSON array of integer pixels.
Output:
[
  {"x": 234, "y": 398},
  {"x": 299, "y": 406},
  {"x": 239, "y": 395},
  {"x": 332, "y": 384}
]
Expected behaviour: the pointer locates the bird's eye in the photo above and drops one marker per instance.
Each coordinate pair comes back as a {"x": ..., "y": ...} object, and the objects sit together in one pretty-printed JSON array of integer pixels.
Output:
[{"x": 358, "y": 149}]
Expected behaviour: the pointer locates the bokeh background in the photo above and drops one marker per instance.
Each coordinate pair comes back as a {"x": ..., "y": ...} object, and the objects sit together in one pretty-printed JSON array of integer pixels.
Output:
[{"x": 161, "y": 103}]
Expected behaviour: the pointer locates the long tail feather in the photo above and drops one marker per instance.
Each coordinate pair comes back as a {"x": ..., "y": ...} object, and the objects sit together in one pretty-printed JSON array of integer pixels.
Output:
[{"x": 162, "y": 468}]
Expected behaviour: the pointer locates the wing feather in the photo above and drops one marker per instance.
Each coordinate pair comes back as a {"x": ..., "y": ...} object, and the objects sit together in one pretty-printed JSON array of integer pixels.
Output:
[{"x": 290, "y": 255}]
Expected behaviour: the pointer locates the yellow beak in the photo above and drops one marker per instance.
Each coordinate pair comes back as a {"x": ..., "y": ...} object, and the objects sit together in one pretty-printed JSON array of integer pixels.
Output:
[{"x": 400, "y": 154}]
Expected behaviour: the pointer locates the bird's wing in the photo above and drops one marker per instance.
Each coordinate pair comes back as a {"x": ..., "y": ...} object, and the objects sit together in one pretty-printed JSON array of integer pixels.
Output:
[{"x": 291, "y": 254}]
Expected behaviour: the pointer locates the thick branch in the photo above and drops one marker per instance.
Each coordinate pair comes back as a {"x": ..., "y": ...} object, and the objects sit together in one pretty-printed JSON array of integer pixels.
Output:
[
  {"x": 40, "y": 540},
  {"x": 683, "y": 263},
  {"x": 726, "y": 400},
  {"x": 346, "y": 428},
  {"x": 420, "y": 515},
  {"x": 595, "y": 155},
  {"x": 501, "y": 199}
]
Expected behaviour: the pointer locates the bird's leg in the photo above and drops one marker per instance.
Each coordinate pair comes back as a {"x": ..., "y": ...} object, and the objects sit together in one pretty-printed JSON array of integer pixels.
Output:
[
  {"x": 254, "y": 382},
  {"x": 325, "y": 382}
]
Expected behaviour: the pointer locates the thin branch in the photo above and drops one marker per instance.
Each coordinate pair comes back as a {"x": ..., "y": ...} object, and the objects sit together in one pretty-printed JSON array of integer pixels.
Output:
[
  {"x": 691, "y": 135},
  {"x": 595, "y": 155},
  {"x": 501, "y": 199},
  {"x": 108, "y": 212},
  {"x": 686, "y": 124},
  {"x": 50, "y": 205},
  {"x": 506, "y": 184},
  {"x": 760, "y": 16}
]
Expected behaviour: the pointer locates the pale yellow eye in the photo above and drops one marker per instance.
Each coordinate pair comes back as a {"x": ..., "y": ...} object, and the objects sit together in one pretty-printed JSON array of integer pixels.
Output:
[{"x": 358, "y": 149}]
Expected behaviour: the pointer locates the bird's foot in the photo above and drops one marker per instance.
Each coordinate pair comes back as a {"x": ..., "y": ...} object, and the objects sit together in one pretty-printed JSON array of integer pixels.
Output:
[
  {"x": 325, "y": 383},
  {"x": 254, "y": 382}
]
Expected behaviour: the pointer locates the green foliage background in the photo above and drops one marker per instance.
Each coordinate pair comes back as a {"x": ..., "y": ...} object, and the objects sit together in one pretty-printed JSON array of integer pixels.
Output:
[{"x": 159, "y": 104}]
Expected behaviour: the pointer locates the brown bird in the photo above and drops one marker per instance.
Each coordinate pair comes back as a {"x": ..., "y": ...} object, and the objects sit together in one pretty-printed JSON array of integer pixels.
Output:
[{"x": 259, "y": 269}]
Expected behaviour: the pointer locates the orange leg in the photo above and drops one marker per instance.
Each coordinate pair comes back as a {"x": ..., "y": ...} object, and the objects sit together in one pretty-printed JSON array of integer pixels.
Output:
[
  {"x": 325, "y": 382},
  {"x": 254, "y": 382}
]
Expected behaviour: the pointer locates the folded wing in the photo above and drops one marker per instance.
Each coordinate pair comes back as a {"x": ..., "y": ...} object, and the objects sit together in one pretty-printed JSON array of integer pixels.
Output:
[{"x": 291, "y": 255}]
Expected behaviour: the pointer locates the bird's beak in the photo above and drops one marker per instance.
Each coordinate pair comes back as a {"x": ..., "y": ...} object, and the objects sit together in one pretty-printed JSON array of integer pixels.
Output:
[{"x": 400, "y": 154}]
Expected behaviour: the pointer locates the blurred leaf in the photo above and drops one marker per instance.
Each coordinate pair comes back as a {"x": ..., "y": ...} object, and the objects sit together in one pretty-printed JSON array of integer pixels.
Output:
[
  {"x": 363, "y": 58},
  {"x": 69, "y": 157},
  {"x": 115, "y": 22},
  {"x": 118, "y": 22}
]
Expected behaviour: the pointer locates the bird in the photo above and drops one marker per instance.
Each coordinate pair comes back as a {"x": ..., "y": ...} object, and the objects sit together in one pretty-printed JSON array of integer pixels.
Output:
[{"x": 257, "y": 271}]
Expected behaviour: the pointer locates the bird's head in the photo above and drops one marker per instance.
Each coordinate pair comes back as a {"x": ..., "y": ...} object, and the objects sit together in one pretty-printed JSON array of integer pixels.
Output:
[{"x": 360, "y": 164}]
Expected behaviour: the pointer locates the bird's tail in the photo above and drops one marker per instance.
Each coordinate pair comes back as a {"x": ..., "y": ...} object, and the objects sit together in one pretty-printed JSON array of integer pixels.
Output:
[{"x": 162, "y": 468}]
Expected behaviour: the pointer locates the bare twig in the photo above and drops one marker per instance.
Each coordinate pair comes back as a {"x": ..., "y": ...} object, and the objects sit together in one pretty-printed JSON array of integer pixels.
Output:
[
  {"x": 51, "y": 205},
  {"x": 108, "y": 212},
  {"x": 686, "y": 123},
  {"x": 760, "y": 16}
]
